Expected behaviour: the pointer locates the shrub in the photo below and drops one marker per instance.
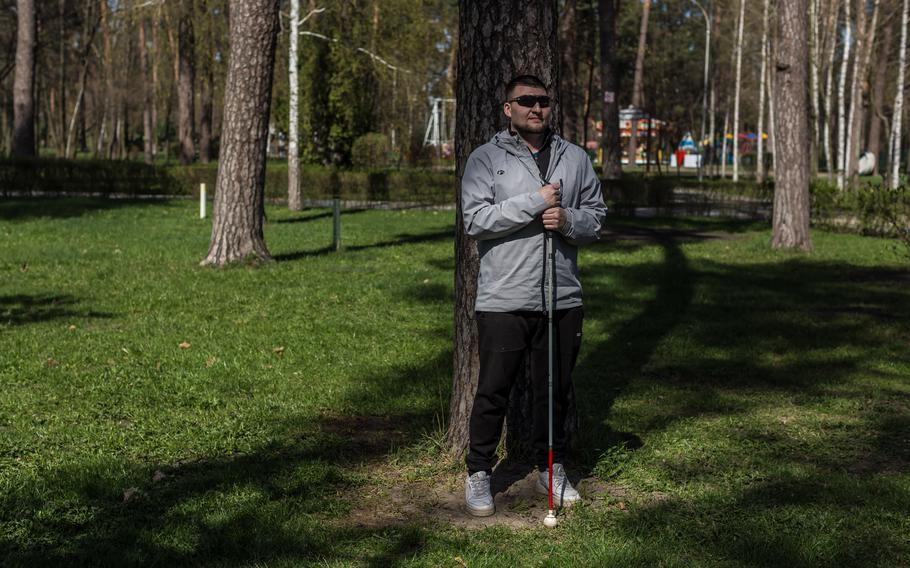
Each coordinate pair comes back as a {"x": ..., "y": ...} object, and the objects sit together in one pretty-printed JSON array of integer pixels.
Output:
[{"x": 371, "y": 150}]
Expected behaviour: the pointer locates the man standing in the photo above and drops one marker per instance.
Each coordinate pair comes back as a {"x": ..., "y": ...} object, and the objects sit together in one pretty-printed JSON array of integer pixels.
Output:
[{"x": 526, "y": 180}]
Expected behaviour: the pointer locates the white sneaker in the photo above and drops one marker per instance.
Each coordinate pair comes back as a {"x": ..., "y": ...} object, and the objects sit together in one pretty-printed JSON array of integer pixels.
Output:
[
  {"x": 477, "y": 495},
  {"x": 563, "y": 492}
]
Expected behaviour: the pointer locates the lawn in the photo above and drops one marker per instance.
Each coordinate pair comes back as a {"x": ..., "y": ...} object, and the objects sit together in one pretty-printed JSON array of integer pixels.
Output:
[{"x": 737, "y": 407}]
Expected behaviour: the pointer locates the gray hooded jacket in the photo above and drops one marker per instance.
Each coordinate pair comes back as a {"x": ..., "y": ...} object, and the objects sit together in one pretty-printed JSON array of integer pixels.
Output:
[{"x": 501, "y": 209}]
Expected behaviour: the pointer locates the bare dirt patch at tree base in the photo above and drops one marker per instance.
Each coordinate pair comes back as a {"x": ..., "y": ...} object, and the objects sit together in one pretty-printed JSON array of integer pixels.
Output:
[{"x": 440, "y": 499}]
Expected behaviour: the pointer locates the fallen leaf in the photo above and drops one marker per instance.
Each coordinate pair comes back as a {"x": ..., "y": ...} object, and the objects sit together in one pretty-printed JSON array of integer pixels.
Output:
[
  {"x": 461, "y": 561},
  {"x": 51, "y": 362},
  {"x": 159, "y": 475},
  {"x": 210, "y": 361},
  {"x": 426, "y": 280},
  {"x": 622, "y": 506},
  {"x": 24, "y": 267},
  {"x": 72, "y": 328},
  {"x": 184, "y": 345},
  {"x": 130, "y": 493},
  {"x": 278, "y": 350}
]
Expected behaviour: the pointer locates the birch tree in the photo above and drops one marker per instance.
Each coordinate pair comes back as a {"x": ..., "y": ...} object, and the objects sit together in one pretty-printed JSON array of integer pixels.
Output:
[
  {"x": 841, "y": 94},
  {"x": 831, "y": 35},
  {"x": 895, "y": 157},
  {"x": 862, "y": 59},
  {"x": 760, "y": 156},
  {"x": 294, "y": 197},
  {"x": 704, "y": 104},
  {"x": 739, "y": 64}
]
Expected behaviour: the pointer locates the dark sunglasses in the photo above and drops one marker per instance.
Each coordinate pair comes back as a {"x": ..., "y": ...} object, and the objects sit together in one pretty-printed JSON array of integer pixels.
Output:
[{"x": 529, "y": 101}]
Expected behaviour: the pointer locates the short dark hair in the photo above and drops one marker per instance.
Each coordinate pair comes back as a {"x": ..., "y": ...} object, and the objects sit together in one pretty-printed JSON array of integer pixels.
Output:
[{"x": 525, "y": 80}]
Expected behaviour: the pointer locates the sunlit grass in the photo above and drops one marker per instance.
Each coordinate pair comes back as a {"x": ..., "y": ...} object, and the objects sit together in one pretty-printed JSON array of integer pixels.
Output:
[{"x": 742, "y": 406}]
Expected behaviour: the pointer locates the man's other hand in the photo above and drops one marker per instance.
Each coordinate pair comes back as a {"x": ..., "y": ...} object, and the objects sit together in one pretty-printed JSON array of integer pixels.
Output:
[
  {"x": 551, "y": 194},
  {"x": 554, "y": 219}
]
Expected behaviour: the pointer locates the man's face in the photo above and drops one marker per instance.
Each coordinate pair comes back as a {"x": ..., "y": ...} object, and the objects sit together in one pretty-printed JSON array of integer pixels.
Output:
[{"x": 524, "y": 119}]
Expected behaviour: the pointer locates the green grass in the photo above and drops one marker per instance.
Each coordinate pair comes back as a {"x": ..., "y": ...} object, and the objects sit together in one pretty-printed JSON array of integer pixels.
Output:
[{"x": 746, "y": 407}]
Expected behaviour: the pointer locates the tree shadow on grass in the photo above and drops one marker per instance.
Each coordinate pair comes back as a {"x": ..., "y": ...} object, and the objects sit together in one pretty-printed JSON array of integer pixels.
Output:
[
  {"x": 318, "y": 216},
  {"x": 23, "y": 309},
  {"x": 65, "y": 207},
  {"x": 399, "y": 240},
  {"x": 284, "y": 502}
]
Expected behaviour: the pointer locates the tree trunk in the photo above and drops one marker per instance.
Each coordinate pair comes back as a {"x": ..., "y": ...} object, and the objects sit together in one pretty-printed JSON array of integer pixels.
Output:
[
  {"x": 878, "y": 95},
  {"x": 723, "y": 151},
  {"x": 239, "y": 210},
  {"x": 498, "y": 39},
  {"x": 829, "y": 91},
  {"x": 791, "y": 195},
  {"x": 705, "y": 84},
  {"x": 861, "y": 90},
  {"x": 186, "y": 71},
  {"x": 712, "y": 127},
  {"x": 739, "y": 66},
  {"x": 61, "y": 109},
  {"x": 147, "y": 133},
  {"x": 895, "y": 157},
  {"x": 609, "y": 77},
  {"x": 568, "y": 71},
  {"x": 760, "y": 154},
  {"x": 637, "y": 93},
  {"x": 841, "y": 98},
  {"x": 293, "y": 120},
  {"x": 24, "y": 80},
  {"x": 813, "y": 89}
]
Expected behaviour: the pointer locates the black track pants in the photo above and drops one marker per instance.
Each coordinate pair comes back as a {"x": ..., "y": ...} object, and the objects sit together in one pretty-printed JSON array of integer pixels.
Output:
[{"x": 505, "y": 338}]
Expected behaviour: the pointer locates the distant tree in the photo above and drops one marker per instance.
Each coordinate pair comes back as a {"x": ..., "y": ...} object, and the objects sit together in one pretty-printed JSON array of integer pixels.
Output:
[
  {"x": 895, "y": 147},
  {"x": 791, "y": 194},
  {"x": 186, "y": 84},
  {"x": 738, "y": 88},
  {"x": 638, "y": 98},
  {"x": 239, "y": 208},
  {"x": 24, "y": 81},
  {"x": 496, "y": 42},
  {"x": 568, "y": 71},
  {"x": 609, "y": 73}
]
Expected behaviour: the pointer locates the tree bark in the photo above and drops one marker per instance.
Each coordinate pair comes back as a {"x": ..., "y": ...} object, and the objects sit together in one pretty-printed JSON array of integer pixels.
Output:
[
  {"x": 637, "y": 89},
  {"x": 790, "y": 224},
  {"x": 878, "y": 95},
  {"x": 568, "y": 71},
  {"x": 498, "y": 39},
  {"x": 24, "y": 80},
  {"x": 239, "y": 211},
  {"x": 894, "y": 161},
  {"x": 609, "y": 77},
  {"x": 186, "y": 71}
]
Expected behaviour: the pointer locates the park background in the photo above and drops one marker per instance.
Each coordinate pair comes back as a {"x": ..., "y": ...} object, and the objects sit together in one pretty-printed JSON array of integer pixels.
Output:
[{"x": 743, "y": 385}]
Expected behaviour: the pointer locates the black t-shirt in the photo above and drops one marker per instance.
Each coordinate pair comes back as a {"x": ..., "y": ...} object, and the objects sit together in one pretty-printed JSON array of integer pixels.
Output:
[{"x": 542, "y": 157}]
